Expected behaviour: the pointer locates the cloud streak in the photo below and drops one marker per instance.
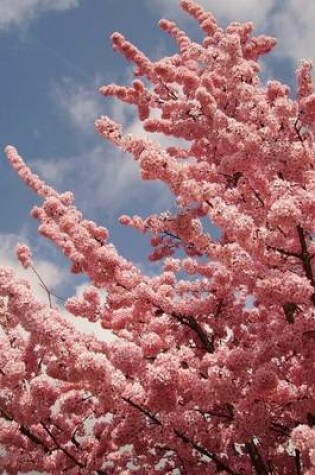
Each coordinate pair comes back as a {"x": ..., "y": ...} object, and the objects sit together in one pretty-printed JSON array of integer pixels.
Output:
[
  {"x": 109, "y": 174},
  {"x": 80, "y": 104},
  {"x": 297, "y": 18},
  {"x": 22, "y": 12},
  {"x": 227, "y": 10}
]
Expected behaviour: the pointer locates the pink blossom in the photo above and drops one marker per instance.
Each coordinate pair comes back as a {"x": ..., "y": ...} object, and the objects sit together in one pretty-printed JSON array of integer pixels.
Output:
[
  {"x": 24, "y": 255},
  {"x": 209, "y": 365}
]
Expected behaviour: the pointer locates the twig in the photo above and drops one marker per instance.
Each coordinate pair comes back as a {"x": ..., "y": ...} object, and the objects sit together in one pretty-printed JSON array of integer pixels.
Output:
[
  {"x": 43, "y": 285},
  {"x": 47, "y": 290}
]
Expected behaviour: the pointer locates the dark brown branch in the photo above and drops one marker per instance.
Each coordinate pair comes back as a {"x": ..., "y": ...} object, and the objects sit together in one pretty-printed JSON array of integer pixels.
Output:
[
  {"x": 277, "y": 427},
  {"x": 219, "y": 463},
  {"x": 68, "y": 454},
  {"x": 298, "y": 130},
  {"x": 62, "y": 449},
  {"x": 190, "y": 322},
  {"x": 171, "y": 93},
  {"x": 309, "y": 334},
  {"x": 289, "y": 309},
  {"x": 310, "y": 419},
  {"x": 285, "y": 253},
  {"x": 286, "y": 431},
  {"x": 281, "y": 429},
  {"x": 219, "y": 308},
  {"x": 304, "y": 256},
  {"x": 37, "y": 441},
  {"x": 256, "y": 459},
  {"x": 165, "y": 449},
  {"x": 47, "y": 290},
  {"x": 228, "y": 415},
  {"x": 44, "y": 286},
  {"x": 74, "y": 433},
  {"x": 258, "y": 197},
  {"x": 306, "y": 260},
  {"x": 232, "y": 180},
  {"x": 169, "y": 234},
  {"x": 144, "y": 411},
  {"x": 209, "y": 204},
  {"x": 32, "y": 437},
  {"x": 297, "y": 460},
  {"x": 25, "y": 431}
]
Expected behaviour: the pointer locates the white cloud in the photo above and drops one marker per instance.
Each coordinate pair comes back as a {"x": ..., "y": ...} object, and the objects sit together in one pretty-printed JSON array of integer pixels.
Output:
[
  {"x": 52, "y": 170},
  {"x": 111, "y": 175},
  {"x": 21, "y": 12},
  {"x": 294, "y": 24},
  {"x": 81, "y": 104},
  {"x": 223, "y": 10},
  {"x": 241, "y": 10}
]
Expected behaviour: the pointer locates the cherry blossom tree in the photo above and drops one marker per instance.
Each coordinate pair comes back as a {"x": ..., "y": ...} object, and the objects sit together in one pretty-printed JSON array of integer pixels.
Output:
[{"x": 212, "y": 368}]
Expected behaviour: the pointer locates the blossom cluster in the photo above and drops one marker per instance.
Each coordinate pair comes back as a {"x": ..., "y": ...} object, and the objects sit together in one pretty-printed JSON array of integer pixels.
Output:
[{"x": 212, "y": 368}]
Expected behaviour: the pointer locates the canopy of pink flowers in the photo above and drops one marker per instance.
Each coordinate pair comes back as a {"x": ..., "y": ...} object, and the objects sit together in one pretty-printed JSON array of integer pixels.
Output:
[{"x": 199, "y": 380}]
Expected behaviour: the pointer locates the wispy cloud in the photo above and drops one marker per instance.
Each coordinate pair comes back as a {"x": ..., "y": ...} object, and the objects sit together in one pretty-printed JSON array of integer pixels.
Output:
[
  {"x": 227, "y": 10},
  {"x": 294, "y": 24},
  {"x": 109, "y": 174},
  {"x": 81, "y": 104},
  {"x": 21, "y": 12}
]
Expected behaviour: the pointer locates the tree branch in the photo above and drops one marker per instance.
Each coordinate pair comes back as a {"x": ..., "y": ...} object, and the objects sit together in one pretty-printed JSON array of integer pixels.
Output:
[
  {"x": 306, "y": 260},
  {"x": 256, "y": 459},
  {"x": 297, "y": 460},
  {"x": 65, "y": 451},
  {"x": 144, "y": 411},
  {"x": 219, "y": 463},
  {"x": 190, "y": 322},
  {"x": 25, "y": 431},
  {"x": 228, "y": 415},
  {"x": 285, "y": 253}
]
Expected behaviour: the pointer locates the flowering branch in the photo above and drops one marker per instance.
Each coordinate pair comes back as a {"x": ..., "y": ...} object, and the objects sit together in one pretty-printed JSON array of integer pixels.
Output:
[{"x": 218, "y": 462}]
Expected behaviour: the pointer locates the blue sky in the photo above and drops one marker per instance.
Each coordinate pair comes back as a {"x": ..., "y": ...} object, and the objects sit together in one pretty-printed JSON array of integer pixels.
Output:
[{"x": 55, "y": 54}]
